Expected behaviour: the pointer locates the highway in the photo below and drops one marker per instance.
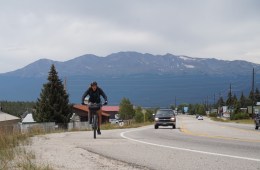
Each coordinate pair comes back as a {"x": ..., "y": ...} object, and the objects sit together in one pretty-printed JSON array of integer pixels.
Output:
[{"x": 194, "y": 144}]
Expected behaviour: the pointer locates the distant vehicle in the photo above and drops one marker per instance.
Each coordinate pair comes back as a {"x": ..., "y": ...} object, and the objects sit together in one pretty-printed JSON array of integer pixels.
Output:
[
  {"x": 200, "y": 118},
  {"x": 164, "y": 117},
  {"x": 257, "y": 121},
  {"x": 116, "y": 121}
]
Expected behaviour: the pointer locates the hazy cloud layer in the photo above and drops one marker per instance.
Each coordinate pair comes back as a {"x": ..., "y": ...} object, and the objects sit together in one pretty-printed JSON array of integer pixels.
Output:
[{"x": 64, "y": 29}]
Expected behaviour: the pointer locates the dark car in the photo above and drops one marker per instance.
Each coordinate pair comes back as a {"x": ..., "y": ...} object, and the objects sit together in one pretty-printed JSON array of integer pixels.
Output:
[{"x": 164, "y": 117}]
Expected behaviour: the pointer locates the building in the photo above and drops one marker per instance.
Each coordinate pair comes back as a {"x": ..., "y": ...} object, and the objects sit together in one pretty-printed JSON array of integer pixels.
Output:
[
  {"x": 108, "y": 112},
  {"x": 28, "y": 119},
  {"x": 8, "y": 122}
]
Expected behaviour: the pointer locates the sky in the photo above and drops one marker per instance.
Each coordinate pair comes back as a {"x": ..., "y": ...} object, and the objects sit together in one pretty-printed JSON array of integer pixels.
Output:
[{"x": 65, "y": 29}]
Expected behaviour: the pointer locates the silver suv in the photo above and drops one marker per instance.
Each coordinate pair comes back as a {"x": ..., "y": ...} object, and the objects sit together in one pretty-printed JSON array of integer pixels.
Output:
[{"x": 164, "y": 117}]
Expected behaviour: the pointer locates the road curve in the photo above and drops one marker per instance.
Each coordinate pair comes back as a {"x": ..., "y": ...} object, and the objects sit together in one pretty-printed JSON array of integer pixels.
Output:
[{"x": 193, "y": 145}]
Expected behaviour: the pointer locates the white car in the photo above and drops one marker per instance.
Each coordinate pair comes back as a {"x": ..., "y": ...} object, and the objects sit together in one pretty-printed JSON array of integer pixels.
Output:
[
  {"x": 116, "y": 121},
  {"x": 200, "y": 118}
]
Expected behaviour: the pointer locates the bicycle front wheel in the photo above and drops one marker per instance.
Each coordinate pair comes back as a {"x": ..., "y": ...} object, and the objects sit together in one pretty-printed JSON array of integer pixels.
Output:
[{"x": 95, "y": 125}]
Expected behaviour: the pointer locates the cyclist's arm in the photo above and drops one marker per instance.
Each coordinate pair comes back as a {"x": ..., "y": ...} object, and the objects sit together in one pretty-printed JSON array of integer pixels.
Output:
[
  {"x": 103, "y": 95},
  {"x": 84, "y": 96}
]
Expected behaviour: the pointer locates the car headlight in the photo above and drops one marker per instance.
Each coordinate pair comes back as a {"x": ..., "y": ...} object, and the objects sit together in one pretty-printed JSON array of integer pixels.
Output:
[
  {"x": 172, "y": 118},
  {"x": 156, "y": 119}
]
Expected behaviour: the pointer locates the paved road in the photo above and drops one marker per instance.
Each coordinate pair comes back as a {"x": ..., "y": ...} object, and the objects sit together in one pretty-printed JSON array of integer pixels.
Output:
[{"x": 193, "y": 145}]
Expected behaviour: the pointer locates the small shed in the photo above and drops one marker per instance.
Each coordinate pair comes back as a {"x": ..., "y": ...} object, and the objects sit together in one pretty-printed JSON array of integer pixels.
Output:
[{"x": 8, "y": 122}]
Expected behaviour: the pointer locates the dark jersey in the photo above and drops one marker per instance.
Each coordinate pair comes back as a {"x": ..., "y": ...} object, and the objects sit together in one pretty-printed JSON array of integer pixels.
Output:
[{"x": 94, "y": 96}]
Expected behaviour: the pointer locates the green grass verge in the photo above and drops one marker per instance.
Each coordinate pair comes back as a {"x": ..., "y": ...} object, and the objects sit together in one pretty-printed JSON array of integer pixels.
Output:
[
  {"x": 242, "y": 121},
  {"x": 108, "y": 126}
]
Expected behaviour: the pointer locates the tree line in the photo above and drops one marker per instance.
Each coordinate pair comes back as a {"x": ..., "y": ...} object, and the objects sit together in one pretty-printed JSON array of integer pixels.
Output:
[{"x": 53, "y": 104}]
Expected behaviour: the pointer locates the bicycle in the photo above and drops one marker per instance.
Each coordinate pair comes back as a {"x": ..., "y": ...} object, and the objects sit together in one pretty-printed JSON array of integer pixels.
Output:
[{"x": 93, "y": 108}]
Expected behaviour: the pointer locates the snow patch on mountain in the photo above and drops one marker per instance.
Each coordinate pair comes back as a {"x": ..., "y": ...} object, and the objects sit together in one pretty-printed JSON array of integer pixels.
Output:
[
  {"x": 186, "y": 58},
  {"x": 189, "y": 66}
]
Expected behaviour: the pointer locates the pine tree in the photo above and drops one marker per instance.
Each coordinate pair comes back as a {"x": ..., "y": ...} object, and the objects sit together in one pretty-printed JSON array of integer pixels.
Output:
[
  {"x": 257, "y": 95},
  {"x": 53, "y": 104},
  {"x": 220, "y": 102},
  {"x": 251, "y": 97},
  {"x": 229, "y": 101},
  {"x": 242, "y": 100}
]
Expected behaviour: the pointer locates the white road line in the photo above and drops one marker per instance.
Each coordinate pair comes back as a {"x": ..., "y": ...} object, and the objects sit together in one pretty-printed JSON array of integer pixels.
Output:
[{"x": 122, "y": 134}]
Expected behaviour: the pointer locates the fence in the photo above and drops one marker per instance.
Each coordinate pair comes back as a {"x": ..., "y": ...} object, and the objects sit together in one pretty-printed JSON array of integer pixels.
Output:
[
  {"x": 79, "y": 125},
  {"x": 43, "y": 127}
]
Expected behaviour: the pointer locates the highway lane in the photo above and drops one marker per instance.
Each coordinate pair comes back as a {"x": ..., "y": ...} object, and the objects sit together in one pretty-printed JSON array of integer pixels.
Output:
[{"x": 193, "y": 145}]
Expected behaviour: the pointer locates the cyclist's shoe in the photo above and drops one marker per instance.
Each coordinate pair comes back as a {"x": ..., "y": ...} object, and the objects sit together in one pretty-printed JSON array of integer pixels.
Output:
[{"x": 98, "y": 131}]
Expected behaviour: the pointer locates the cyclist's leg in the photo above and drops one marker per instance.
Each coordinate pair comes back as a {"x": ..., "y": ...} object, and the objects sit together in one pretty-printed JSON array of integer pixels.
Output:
[
  {"x": 90, "y": 118},
  {"x": 99, "y": 118},
  {"x": 99, "y": 121}
]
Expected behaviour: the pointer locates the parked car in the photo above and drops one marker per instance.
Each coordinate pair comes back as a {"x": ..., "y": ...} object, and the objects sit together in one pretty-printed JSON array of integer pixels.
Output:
[
  {"x": 257, "y": 121},
  {"x": 164, "y": 117},
  {"x": 116, "y": 121},
  {"x": 200, "y": 117}
]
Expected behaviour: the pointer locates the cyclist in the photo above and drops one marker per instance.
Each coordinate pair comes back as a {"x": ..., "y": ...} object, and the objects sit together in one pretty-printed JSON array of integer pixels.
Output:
[{"x": 94, "y": 92}]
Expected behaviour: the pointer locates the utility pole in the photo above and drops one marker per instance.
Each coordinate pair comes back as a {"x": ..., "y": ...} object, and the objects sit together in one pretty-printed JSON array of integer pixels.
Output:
[
  {"x": 214, "y": 100},
  {"x": 253, "y": 93},
  {"x": 231, "y": 101},
  {"x": 175, "y": 103}
]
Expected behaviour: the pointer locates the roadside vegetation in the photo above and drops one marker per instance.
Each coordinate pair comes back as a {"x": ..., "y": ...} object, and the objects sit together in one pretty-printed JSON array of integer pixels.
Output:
[{"x": 13, "y": 154}]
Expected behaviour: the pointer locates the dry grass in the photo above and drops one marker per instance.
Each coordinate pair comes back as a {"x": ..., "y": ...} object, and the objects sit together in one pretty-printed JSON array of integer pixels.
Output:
[{"x": 14, "y": 156}]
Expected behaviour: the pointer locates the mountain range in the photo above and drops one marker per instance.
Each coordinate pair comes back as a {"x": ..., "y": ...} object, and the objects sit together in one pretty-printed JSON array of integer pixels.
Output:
[
  {"x": 132, "y": 63},
  {"x": 150, "y": 80}
]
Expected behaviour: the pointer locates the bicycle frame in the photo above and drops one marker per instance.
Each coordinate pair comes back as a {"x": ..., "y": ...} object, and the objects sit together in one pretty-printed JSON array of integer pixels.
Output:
[{"x": 93, "y": 108}]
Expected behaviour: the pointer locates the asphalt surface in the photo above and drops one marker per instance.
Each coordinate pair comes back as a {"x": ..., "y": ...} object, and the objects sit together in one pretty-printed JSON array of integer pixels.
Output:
[{"x": 194, "y": 144}]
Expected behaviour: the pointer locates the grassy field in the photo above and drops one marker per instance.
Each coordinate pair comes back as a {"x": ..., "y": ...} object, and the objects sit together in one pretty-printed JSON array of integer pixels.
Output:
[{"x": 14, "y": 156}]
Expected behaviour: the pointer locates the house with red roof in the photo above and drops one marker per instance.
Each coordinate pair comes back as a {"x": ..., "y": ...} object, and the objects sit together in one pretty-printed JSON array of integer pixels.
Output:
[{"x": 108, "y": 112}]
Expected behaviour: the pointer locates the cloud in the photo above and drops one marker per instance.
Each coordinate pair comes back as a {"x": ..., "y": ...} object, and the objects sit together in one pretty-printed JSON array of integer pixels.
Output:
[{"x": 64, "y": 29}]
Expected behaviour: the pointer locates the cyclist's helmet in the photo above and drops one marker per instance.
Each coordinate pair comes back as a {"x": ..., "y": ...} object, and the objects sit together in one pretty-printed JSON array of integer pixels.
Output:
[{"x": 94, "y": 83}]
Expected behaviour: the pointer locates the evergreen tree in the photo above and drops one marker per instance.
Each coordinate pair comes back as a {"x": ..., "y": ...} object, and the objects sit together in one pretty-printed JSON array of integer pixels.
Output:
[
  {"x": 221, "y": 102},
  {"x": 126, "y": 110},
  {"x": 53, "y": 104},
  {"x": 229, "y": 101},
  {"x": 242, "y": 100},
  {"x": 257, "y": 95},
  {"x": 234, "y": 100},
  {"x": 251, "y": 98}
]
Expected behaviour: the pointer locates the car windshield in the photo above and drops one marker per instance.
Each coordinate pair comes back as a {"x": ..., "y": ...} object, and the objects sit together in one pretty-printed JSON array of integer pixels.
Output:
[{"x": 165, "y": 113}]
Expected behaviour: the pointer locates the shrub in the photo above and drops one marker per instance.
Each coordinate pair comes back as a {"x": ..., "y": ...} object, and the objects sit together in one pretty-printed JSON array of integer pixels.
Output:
[
  {"x": 239, "y": 116},
  {"x": 213, "y": 114}
]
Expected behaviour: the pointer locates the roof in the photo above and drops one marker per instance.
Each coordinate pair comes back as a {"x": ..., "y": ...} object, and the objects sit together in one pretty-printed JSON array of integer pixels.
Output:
[
  {"x": 28, "y": 118},
  {"x": 6, "y": 117},
  {"x": 104, "y": 108},
  {"x": 110, "y": 108}
]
